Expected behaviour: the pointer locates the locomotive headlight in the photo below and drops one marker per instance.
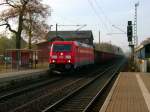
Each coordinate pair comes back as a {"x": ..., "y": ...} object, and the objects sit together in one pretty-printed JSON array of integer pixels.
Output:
[
  {"x": 69, "y": 61},
  {"x": 53, "y": 61},
  {"x": 68, "y": 57},
  {"x": 54, "y": 57}
]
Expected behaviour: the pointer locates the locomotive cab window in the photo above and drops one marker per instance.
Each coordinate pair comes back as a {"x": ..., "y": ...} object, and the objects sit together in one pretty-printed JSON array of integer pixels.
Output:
[{"x": 60, "y": 48}]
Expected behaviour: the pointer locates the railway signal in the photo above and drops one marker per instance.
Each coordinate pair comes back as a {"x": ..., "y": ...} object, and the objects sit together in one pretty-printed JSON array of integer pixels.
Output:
[{"x": 129, "y": 31}]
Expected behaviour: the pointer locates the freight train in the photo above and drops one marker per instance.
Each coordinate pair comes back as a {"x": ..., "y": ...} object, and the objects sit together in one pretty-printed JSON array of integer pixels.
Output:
[{"x": 71, "y": 55}]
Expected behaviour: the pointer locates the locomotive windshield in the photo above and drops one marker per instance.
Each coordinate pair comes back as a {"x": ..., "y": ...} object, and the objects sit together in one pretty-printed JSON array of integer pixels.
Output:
[{"x": 60, "y": 48}]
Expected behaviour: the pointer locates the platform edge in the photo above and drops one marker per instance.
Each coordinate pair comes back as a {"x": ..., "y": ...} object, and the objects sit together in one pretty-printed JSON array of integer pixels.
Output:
[{"x": 105, "y": 105}]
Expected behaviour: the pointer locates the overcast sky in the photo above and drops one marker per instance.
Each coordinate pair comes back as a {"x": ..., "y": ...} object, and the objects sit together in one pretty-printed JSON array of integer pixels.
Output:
[{"x": 101, "y": 15}]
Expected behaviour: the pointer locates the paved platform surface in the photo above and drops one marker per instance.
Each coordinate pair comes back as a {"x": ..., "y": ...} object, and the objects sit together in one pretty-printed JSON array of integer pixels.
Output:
[
  {"x": 130, "y": 93},
  {"x": 21, "y": 74}
]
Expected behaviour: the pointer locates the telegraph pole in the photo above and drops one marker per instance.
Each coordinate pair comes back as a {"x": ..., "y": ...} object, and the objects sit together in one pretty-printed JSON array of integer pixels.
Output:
[{"x": 56, "y": 30}]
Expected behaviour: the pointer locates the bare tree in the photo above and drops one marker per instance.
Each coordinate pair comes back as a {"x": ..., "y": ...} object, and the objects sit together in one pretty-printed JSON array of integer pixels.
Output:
[
  {"x": 25, "y": 12},
  {"x": 35, "y": 25},
  {"x": 18, "y": 11}
]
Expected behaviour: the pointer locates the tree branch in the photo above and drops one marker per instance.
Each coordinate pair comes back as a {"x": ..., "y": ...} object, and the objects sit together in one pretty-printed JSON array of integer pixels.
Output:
[
  {"x": 3, "y": 4},
  {"x": 10, "y": 4},
  {"x": 8, "y": 26}
]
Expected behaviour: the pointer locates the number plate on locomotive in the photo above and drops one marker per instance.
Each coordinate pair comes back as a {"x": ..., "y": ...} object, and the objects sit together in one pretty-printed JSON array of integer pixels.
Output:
[{"x": 61, "y": 57}]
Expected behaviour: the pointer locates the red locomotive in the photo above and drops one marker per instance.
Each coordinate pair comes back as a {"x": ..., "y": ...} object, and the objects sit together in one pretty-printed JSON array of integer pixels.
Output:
[{"x": 67, "y": 55}]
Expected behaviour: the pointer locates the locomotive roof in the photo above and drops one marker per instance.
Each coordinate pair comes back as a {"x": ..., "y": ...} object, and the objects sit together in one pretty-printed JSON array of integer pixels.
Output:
[
  {"x": 75, "y": 42},
  {"x": 71, "y": 34}
]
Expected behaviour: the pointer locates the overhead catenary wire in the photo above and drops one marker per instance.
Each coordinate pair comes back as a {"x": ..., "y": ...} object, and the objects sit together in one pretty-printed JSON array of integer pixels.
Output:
[
  {"x": 97, "y": 14},
  {"x": 73, "y": 23},
  {"x": 102, "y": 11},
  {"x": 108, "y": 21},
  {"x": 64, "y": 20}
]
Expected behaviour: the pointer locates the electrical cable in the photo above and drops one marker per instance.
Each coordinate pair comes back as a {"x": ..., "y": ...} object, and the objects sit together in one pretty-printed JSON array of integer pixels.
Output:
[{"x": 97, "y": 14}]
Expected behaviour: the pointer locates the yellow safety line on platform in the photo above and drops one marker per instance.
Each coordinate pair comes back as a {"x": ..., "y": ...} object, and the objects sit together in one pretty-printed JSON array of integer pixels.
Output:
[{"x": 144, "y": 91}]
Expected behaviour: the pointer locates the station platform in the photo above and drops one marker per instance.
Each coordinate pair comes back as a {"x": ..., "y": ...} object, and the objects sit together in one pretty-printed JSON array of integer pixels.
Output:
[
  {"x": 130, "y": 93},
  {"x": 4, "y": 77}
]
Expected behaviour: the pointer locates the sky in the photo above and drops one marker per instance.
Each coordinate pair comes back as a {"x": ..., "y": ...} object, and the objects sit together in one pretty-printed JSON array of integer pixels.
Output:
[{"x": 101, "y": 15}]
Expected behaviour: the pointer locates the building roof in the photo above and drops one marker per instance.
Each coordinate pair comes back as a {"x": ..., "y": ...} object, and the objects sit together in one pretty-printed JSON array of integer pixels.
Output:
[
  {"x": 71, "y": 34},
  {"x": 143, "y": 44}
]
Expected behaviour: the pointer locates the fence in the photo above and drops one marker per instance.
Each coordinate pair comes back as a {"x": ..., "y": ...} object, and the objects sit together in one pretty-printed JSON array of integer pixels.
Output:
[{"x": 21, "y": 59}]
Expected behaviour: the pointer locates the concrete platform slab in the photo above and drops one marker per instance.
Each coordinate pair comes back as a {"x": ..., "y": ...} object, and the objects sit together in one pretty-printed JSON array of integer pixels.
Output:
[{"x": 130, "y": 93}]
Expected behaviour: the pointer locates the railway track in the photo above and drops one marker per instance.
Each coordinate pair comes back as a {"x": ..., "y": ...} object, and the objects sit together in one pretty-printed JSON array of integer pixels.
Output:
[
  {"x": 51, "y": 98},
  {"x": 97, "y": 101},
  {"x": 81, "y": 99},
  {"x": 18, "y": 91},
  {"x": 8, "y": 84},
  {"x": 38, "y": 99},
  {"x": 27, "y": 98},
  {"x": 59, "y": 85}
]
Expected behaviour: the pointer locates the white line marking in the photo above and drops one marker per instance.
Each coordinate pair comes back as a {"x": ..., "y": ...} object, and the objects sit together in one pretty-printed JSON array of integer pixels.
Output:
[{"x": 144, "y": 91}]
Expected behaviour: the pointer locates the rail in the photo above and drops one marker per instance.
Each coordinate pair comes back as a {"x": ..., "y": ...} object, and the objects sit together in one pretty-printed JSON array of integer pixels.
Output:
[{"x": 61, "y": 101}]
